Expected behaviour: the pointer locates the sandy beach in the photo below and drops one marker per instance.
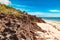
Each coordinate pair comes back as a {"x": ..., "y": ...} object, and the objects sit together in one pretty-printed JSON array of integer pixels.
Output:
[
  {"x": 51, "y": 21},
  {"x": 52, "y": 29}
]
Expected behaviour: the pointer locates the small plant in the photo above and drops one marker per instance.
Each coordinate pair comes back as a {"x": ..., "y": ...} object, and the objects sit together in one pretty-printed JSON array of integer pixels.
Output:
[
  {"x": 18, "y": 15},
  {"x": 1, "y": 10},
  {"x": 9, "y": 12}
]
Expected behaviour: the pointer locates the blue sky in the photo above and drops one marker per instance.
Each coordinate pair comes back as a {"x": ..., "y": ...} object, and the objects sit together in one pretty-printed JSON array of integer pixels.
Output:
[{"x": 40, "y": 8}]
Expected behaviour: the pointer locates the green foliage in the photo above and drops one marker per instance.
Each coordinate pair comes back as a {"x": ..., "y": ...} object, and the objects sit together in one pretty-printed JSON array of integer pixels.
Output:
[
  {"x": 9, "y": 12},
  {"x": 1, "y": 10},
  {"x": 18, "y": 15},
  {"x": 7, "y": 6}
]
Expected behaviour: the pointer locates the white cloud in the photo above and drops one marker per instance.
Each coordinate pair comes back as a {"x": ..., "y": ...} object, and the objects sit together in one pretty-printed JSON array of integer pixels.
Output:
[
  {"x": 35, "y": 13},
  {"x": 7, "y": 2},
  {"x": 54, "y": 10},
  {"x": 19, "y": 5},
  {"x": 44, "y": 14},
  {"x": 22, "y": 9},
  {"x": 38, "y": 14}
]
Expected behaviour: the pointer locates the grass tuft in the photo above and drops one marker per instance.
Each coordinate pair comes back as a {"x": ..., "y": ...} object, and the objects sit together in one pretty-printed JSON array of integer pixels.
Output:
[{"x": 17, "y": 15}]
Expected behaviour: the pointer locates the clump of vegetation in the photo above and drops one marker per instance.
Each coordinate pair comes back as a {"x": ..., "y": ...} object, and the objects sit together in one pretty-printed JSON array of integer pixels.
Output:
[
  {"x": 9, "y": 12},
  {"x": 17, "y": 15},
  {"x": 7, "y": 9},
  {"x": 1, "y": 10}
]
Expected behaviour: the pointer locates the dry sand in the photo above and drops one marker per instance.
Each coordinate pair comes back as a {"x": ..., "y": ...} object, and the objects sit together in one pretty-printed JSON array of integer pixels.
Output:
[{"x": 52, "y": 29}]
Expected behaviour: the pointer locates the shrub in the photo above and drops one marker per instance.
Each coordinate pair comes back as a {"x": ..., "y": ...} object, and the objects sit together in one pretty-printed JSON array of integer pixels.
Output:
[
  {"x": 9, "y": 12},
  {"x": 18, "y": 15}
]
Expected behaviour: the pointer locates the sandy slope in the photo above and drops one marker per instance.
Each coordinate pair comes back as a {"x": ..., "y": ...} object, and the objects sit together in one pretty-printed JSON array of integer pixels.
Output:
[{"x": 52, "y": 30}]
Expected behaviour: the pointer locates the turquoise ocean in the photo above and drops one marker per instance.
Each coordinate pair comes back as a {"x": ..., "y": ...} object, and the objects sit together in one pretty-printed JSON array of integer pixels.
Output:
[{"x": 51, "y": 18}]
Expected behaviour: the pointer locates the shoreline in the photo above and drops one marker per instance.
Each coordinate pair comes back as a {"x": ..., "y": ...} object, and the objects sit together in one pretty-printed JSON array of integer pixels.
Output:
[{"x": 51, "y": 21}]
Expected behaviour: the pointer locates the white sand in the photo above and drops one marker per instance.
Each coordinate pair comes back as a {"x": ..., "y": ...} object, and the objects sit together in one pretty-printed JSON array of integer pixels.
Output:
[{"x": 52, "y": 28}]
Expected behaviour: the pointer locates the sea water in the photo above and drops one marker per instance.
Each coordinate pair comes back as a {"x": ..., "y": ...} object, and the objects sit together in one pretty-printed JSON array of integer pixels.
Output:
[{"x": 51, "y": 18}]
